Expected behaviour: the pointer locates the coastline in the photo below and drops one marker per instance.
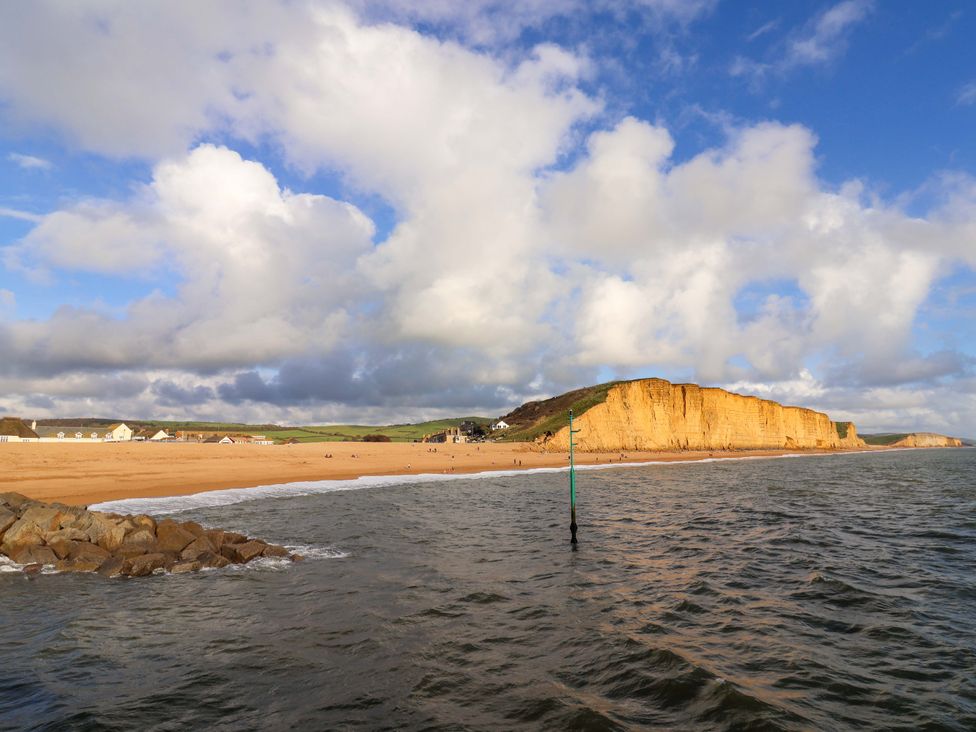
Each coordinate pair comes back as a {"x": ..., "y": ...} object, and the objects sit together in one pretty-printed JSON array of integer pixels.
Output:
[{"x": 88, "y": 474}]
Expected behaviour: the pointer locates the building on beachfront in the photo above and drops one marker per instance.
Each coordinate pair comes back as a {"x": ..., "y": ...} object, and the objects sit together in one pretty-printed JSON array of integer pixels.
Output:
[
  {"x": 499, "y": 425},
  {"x": 14, "y": 429},
  {"x": 70, "y": 433},
  {"x": 452, "y": 435},
  {"x": 152, "y": 435},
  {"x": 212, "y": 440},
  {"x": 260, "y": 440},
  {"x": 118, "y": 433}
]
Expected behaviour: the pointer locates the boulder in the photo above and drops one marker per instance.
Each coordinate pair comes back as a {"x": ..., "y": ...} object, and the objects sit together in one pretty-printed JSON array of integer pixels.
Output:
[
  {"x": 15, "y": 501},
  {"x": 77, "y": 565},
  {"x": 35, "y": 554},
  {"x": 86, "y": 552},
  {"x": 182, "y": 567},
  {"x": 32, "y": 569},
  {"x": 171, "y": 537},
  {"x": 143, "y": 521},
  {"x": 114, "y": 567},
  {"x": 46, "y": 518},
  {"x": 146, "y": 564},
  {"x": 297, "y": 558},
  {"x": 232, "y": 538},
  {"x": 244, "y": 552},
  {"x": 140, "y": 541},
  {"x": 101, "y": 529},
  {"x": 61, "y": 541},
  {"x": 273, "y": 550},
  {"x": 210, "y": 560},
  {"x": 7, "y": 519},
  {"x": 20, "y": 535},
  {"x": 197, "y": 547},
  {"x": 194, "y": 528}
]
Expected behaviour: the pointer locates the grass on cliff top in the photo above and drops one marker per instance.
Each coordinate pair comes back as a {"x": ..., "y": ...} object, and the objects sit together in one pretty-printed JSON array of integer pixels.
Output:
[
  {"x": 884, "y": 439},
  {"x": 354, "y": 432},
  {"x": 534, "y": 419},
  {"x": 842, "y": 429}
]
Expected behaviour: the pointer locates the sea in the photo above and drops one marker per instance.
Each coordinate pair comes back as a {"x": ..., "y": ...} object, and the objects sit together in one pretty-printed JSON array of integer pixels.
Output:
[{"x": 827, "y": 592}]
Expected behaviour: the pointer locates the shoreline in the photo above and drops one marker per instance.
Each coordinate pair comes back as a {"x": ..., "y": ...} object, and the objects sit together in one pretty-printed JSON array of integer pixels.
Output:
[{"x": 91, "y": 474}]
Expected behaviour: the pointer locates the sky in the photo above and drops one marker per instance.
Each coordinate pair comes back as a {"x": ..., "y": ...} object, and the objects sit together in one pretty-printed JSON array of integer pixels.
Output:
[{"x": 384, "y": 211}]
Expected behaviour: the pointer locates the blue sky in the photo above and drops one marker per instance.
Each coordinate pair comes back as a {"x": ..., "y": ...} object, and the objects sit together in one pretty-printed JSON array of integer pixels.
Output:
[{"x": 323, "y": 211}]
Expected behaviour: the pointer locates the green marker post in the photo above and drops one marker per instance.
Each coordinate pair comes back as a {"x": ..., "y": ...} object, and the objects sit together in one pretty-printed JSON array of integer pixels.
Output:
[{"x": 572, "y": 483}]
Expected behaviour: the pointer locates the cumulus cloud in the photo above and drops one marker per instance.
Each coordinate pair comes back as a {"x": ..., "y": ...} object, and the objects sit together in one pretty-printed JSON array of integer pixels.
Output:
[
  {"x": 264, "y": 272},
  {"x": 512, "y": 269}
]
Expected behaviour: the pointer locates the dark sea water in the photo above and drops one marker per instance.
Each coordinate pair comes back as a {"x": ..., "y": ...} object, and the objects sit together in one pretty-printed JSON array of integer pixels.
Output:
[{"x": 822, "y": 593}]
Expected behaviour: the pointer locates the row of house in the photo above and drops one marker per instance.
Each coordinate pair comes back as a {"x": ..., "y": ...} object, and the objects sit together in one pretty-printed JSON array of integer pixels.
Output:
[{"x": 13, "y": 429}]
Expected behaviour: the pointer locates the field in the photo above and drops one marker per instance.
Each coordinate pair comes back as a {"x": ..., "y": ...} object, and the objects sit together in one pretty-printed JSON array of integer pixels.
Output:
[{"x": 350, "y": 432}]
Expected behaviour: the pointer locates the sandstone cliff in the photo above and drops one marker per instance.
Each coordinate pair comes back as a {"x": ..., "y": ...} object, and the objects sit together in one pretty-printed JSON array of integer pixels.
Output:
[
  {"x": 653, "y": 414},
  {"x": 927, "y": 439}
]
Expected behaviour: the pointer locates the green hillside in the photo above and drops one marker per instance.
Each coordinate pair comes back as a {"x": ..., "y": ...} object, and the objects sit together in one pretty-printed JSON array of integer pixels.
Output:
[
  {"x": 352, "y": 432},
  {"x": 534, "y": 419},
  {"x": 886, "y": 438}
]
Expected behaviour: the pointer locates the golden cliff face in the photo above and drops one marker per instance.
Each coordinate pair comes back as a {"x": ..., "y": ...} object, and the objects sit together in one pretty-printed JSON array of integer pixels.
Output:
[
  {"x": 653, "y": 414},
  {"x": 927, "y": 439}
]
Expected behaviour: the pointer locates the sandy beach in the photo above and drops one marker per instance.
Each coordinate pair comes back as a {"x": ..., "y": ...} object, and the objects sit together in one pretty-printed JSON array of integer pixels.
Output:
[{"x": 80, "y": 474}]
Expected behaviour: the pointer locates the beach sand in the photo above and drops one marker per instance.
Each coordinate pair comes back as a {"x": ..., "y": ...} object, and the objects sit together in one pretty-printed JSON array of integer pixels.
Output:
[{"x": 80, "y": 474}]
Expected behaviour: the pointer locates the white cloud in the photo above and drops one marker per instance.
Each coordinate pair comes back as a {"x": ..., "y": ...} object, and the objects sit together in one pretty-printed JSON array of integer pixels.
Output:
[
  {"x": 967, "y": 94},
  {"x": 501, "y": 271},
  {"x": 826, "y": 36},
  {"x": 264, "y": 273},
  {"x": 14, "y": 213},
  {"x": 29, "y": 162},
  {"x": 819, "y": 42}
]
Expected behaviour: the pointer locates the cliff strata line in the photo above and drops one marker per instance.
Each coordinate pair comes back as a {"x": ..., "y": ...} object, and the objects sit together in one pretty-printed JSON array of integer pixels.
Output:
[{"x": 654, "y": 414}]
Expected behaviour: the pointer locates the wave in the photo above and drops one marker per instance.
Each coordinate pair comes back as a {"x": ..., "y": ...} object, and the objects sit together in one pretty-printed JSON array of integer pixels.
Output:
[{"x": 229, "y": 496}]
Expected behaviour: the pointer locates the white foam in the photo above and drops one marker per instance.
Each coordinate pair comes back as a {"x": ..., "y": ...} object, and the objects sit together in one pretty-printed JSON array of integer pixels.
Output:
[{"x": 229, "y": 496}]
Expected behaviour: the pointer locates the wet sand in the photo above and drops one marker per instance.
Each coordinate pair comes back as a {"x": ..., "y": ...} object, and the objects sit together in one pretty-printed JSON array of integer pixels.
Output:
[{"x": 81, "y": 474}]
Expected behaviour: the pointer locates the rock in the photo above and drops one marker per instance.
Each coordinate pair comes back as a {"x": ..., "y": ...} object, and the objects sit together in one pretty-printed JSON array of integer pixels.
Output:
[
  {"x": 61, "y": 541},
  {"x": 297, "y": 558},
  {"x": 210, "y": 560},
  {"x": 16, "y": 502},
  {"x": 273, "y": 550},
  {"x": 101, "y": 529},
  {"x": 146, "y": 564},
  {"x": 194, "y": 528},
  {"x": 7, "y": 519},
  {"x": 111, "y": 538},
  {"x": 114, "y": 567},
  {"x": 244, "y": 552},
  {"x": 20, "y": 535},
  {"x": 140, "y": 541},
  {"x": 231, "y": 538},
  {"x": 143, "y": 521},
  {"x": 33, "y": 569},
  {"x": 197, "y": 547},
  {"x": 77, "y": 565},
  {"x": 191, "y": 566},
  {"x": 171, "y": 537},
  {"x": 46, "y": 518},
  {"x": 86, "y": 552},
  {"x": 34, "y": 555}
]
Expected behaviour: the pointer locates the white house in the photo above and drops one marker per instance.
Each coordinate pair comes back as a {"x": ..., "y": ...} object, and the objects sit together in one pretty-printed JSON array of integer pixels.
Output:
[
  {"x": 118, "y": 433},
  {"x": 13, "y": 429},
  {"x": 499, "y": 425},
  {"x": 225, "y": 440}
]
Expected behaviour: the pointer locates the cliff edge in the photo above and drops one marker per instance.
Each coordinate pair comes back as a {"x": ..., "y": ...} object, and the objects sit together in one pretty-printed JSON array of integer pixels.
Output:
[
  {"x": 927, "y": 439},
  {"x": 654, "y": 414}
]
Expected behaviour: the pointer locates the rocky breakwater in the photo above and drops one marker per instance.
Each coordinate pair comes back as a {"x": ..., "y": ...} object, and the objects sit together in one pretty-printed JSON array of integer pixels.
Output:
[
  {"x": 74, "y": 539},
  {"x": 654, "y": 414}
]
